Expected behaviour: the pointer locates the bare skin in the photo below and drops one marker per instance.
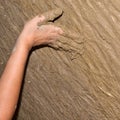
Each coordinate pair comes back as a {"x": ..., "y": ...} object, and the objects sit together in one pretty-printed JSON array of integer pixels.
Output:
[{"x": 11, "y": 79}]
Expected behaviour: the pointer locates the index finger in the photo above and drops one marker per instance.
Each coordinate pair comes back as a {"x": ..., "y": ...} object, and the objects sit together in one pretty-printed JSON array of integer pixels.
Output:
[{"x": 50, "y": 16}]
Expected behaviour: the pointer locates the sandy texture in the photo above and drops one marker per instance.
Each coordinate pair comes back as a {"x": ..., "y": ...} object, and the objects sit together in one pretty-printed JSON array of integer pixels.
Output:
[
  {"x": 52, "y": 15},
  {"x": 80, "y": 78}
]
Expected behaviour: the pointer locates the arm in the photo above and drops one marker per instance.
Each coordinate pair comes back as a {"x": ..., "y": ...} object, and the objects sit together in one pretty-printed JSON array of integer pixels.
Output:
[{"x": 11, "y": 79}]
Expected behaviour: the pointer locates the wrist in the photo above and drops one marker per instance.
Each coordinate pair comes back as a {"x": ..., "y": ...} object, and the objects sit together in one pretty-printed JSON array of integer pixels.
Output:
[
  {"x": 20, "y": 49},
  {"x": 24, "y": 42},
  {"x": 21, "y": 46}
]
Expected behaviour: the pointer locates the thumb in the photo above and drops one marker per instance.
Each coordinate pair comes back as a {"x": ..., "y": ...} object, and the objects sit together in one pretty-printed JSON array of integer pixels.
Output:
[{"x": 50, "y": 16}]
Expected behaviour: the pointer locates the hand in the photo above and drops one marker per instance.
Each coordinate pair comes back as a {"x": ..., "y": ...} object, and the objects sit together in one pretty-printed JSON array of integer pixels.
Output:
[{"x": 33, "y": 35}]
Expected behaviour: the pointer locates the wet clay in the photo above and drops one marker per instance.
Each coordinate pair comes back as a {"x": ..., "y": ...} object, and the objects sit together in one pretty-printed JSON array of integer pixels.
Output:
[
  {"x": 77, "y": 77},
  {"x": 70, "y": 42},
  {"x": 51, "y": 16}
]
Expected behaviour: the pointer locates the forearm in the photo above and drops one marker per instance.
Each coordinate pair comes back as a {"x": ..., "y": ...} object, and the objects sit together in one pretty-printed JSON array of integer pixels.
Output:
[
  {"x": 10, "y": 82},
  {"x": 11, "y": 79}
]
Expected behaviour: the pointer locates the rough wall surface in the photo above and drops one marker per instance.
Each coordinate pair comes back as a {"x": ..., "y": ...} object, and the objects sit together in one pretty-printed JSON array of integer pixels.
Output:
[{"x": 81, "y": 79}]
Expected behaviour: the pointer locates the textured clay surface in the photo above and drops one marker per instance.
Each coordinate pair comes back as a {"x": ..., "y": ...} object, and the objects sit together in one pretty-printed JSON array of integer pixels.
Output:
[{"x": 77, "y": 78}]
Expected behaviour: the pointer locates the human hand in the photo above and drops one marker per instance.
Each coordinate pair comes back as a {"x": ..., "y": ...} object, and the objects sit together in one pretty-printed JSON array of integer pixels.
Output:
[{"x": 33, "y": 35}]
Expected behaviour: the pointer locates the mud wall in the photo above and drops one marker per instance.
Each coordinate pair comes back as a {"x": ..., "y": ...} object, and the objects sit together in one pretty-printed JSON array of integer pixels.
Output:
[{"x": 81, "y": 79}]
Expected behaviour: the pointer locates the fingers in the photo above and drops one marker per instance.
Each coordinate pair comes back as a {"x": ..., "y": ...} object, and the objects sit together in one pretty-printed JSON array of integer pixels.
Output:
[
  {"x": 46, "y": 34},
  {"x": 59, "y": 30},
  {"x": 42, "y": 18},
  {"x": 50, "y": 29},
  {"x": 38, "y": 19},
  {"x": 46, "y": 17},
  {"x": 50, "y": 16}
]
